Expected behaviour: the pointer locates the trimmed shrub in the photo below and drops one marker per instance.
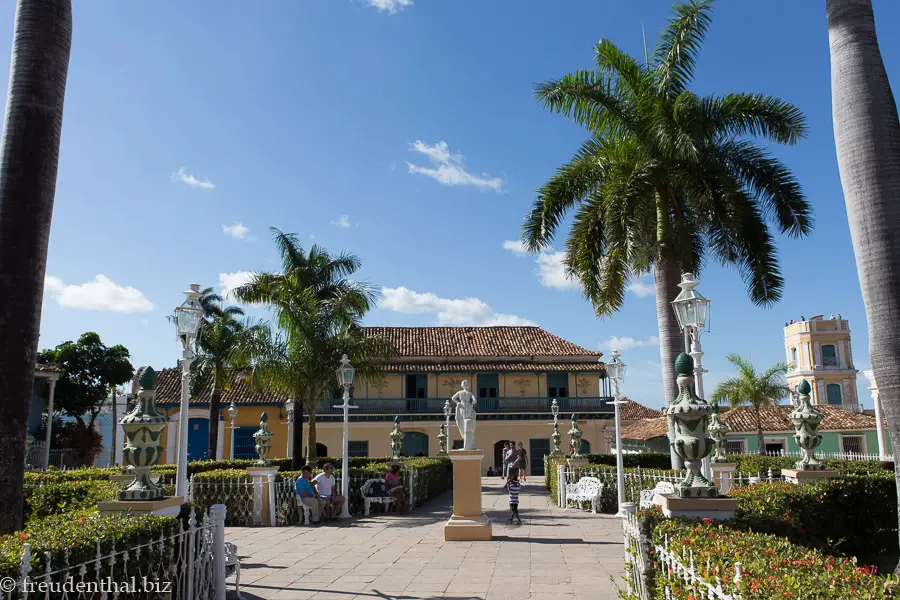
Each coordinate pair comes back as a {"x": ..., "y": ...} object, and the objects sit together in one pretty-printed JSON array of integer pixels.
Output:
[
  {"x": 854, "y": 515},
  {"x": 43, "y": 501},
  {"x": 773, "y": 567},
  {"x": 753, "y": 464}
]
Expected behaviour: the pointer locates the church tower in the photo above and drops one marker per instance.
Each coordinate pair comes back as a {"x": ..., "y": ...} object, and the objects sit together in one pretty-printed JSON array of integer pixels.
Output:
[{"x": 818, "y": 350}]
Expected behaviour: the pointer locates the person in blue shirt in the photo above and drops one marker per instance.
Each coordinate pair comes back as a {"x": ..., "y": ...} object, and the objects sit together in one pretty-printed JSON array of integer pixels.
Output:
[{"x": 308, "y": 494}]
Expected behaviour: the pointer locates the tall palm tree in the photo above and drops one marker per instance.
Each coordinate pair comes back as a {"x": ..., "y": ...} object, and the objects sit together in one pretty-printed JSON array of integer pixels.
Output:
[
  {"x": 312, "y": 294},
  {"x": 668, "y": 178},
  {"x": 757, "y": 390},
  {"x": 29, "y": 157},
  {"x": 224, "y": 344}
]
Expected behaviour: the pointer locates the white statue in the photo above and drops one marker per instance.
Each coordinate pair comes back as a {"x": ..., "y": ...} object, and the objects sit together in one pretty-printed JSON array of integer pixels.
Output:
[{"x": 465, "y": 415}]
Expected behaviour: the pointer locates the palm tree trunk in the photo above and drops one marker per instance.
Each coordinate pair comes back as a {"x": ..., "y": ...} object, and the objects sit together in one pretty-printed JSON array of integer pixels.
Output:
[
  {"x": 297, "y": 461},
  {"x": 42, "y": 41},
  {"x": 215, "y": 401},
  {"x": 311, "y": 438},
  {"x": 867, "y": 138},
  {"x": 671, "y": 339},
  {"x": 760, "y": 437},
  {"x": 115, "y": 426}
]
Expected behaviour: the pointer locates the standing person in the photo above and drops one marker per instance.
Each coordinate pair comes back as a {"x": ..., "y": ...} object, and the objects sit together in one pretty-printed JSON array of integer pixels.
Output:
[
  {"x": 511, "y": 458},
  {"x": 505, "y": 459},
  {"x": 308, "y": 494},
  {"x": 325, "y": 483},
  {"x": 522, "y": 461},
  {"x": 512, "y": 484}
]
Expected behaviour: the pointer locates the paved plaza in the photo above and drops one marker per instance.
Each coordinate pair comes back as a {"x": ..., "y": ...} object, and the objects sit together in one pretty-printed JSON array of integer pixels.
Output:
[{"x": 554, "y": 554}]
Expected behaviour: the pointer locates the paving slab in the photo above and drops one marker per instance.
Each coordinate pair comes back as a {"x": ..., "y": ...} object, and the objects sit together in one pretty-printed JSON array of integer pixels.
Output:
[{"x": 555, "y": 553}]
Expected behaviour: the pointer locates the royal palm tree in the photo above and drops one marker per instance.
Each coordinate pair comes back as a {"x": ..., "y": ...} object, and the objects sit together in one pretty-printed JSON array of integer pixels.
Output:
[
  {"x": 751, "y": 389},
  {"x": 668, "y": 178},
  {"x": 312, "y": 293},
  {"x": 29, "y": 157},
  {"x": 224, "y": 343}
]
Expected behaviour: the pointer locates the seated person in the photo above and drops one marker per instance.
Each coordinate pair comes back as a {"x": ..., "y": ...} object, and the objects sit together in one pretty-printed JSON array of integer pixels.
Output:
[
  {"x": 324, "y": 483},
  {"x": 490, "y": 472},
  {"x": 308, "y": 494},
  {"x": 394, "y": 483}
]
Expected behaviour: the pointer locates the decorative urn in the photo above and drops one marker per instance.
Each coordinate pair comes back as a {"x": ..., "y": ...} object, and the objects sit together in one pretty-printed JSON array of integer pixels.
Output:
[
  {"x": 263, "y": 440},
  {"x": 442, "y": 440},
  {"x": 806, "y": 421},
  {"x": 692, "y": 444},
  {"x": 396, "y": 440},
  {"x": 555, "y": 438},
  {"x": 719, "y": 432},
  {"x": 575, "y": 437},
  {"x": 143, "y": 427}
]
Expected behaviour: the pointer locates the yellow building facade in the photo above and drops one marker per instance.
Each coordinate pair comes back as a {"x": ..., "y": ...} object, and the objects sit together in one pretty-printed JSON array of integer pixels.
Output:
[
  {"x": 515, "y": 373},
  {"x": 818, "y": 350}
]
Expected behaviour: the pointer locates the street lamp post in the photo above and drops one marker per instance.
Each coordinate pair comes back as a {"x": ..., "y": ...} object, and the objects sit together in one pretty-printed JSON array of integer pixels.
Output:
[
  {"x": 289, "y": 410},
  {"x": 232, "y": 415},
  {"x": 188, "y": 317},
  {"x": 692, "y": 312},
  {"x": 555, "y": 437},
  {"x": 345, "y": 375},
  {"x": 615, "y": 370},
  {"x": 448, "y": 410}
]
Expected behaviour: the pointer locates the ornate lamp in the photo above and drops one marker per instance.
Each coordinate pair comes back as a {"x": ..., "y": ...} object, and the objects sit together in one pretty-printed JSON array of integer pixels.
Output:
[
  {"x": 691, "y": 308},
  {"x": 289, "y": 409},
  {"x": 345, "y": 372},
  {"x": 190, "y": 314},
  {"x": 232, "y": 413},
  {"x": 554, "y": 408},
  {"x": 615, "y": 369}
]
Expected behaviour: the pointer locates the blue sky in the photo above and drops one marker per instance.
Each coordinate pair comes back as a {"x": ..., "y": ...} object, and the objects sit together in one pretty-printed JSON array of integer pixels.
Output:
[{"x": 404, "y": 131}]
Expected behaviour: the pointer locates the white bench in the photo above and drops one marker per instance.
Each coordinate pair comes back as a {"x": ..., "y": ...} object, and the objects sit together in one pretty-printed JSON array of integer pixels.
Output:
[
  {"x": 233, "y": 567},
  {"x": 587, "y": 489},
  {"x": 648, "y": 496},
  {"x": 386, "y": 501}
]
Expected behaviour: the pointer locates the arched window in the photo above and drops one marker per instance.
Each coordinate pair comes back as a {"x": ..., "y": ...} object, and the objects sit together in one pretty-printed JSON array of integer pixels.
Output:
[
  {"x": 794, "y": 364},
  {"x": 829, "y": 355},
  {"x": 833, "y": 392}
]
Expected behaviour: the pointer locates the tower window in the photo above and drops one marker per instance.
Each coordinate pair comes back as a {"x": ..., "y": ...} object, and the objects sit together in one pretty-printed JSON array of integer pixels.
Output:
[
  {"x": 829, "y": 355},
  {"x": 794, "y": 364},
  {"x": 833, "y": 392}
]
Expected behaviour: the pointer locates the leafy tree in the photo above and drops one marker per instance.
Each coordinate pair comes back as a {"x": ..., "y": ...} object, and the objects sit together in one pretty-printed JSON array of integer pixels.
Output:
[
  {"x": 751, "y": 389},
  {"x": 668, "y": 178},
  {"x": 29, "y": 158},
  {"x": 91, "y": 369},
  {"x": 316, "y": 305}
]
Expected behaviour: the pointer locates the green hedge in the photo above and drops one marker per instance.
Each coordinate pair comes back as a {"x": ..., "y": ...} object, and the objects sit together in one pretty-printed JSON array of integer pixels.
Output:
[
  {"x": 773, "y": 567},
  {"x": 854, "y": 515},
  {"x": 753, "y": 464},
  {"x": 42, "y": 501}
]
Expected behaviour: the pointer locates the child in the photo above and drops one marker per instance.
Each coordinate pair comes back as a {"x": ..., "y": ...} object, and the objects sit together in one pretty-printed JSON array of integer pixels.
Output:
[{"x": 513, "y": 485}]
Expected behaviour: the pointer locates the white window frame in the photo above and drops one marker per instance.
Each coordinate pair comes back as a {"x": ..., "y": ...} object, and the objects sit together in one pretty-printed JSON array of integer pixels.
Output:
[
  {"x": 778, "y": 439},
  {"x": 741, "y": 441},
  {"x": 842, "y": 436}
]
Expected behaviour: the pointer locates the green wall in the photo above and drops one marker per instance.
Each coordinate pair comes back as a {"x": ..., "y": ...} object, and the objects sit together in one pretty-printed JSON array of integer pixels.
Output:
[{"x": 830, "y": 441}]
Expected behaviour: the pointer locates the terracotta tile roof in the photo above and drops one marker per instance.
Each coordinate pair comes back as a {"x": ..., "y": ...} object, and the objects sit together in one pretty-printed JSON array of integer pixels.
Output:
[
  {"x": 774, "y": 419},
  {"x": 646, "y": 429},
  {"x": 458, "y": 342},
  {"x": 631, "y": 410},
  {"x": 510, "y": 367},
  {"x": 168, "y": 391}
]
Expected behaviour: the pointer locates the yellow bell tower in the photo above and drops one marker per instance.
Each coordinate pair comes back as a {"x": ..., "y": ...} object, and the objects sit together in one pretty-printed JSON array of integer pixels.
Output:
[{"x": 818, "y": 350}]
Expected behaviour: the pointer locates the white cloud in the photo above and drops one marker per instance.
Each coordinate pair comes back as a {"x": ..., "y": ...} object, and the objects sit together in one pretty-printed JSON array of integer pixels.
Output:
[
  {"x": 641, "y": 288},
  {"x": 342, "y": 221},
  {"x": 551, "y": 272},
  {"x": 237, "y": 231},
  {"x": 229, "y": 281},
  {"x": 390, "y": 6},
  {"x": 447, "y": 168},
  {"x": 449, "y": 311},
  {"x": 517, "y": 247},
  {"x": 100, "y": 294},
  {"x": 627, "y": 343},
  {"x": 192, "y": 181}
]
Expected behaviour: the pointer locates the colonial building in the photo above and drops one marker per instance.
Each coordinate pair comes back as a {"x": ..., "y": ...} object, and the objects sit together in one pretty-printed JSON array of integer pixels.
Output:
[
  {"x": 818, "y": 350},
  {"x": 841, "y": 430},
  {"x": 515, "y": 372}
]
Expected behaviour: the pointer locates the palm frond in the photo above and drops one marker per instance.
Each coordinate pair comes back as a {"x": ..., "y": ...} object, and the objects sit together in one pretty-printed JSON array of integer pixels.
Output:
[
  {"x": 760, "y": 115},
  {"x": 675, "y": 56}
]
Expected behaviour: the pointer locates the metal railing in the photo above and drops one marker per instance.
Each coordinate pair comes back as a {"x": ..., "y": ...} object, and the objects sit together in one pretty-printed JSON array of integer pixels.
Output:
[
  {"x": 831, "y": 455},
  {"x": 502, "y": 405}
]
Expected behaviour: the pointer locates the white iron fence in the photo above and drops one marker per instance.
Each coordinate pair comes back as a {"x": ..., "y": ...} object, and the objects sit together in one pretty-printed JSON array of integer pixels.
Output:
[
  {"x": 189, "y": 565},
  {"x": 832, "y": 455},
  {"x": 648, "y": 566},
  {"x": 61, "y": 458}
]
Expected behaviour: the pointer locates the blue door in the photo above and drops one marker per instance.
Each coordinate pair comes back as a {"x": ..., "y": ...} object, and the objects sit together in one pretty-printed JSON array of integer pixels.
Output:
[
  {"x": 415, "y": 444},
  {"x": 198, "y": 439},
  {"x": 539, "y": 448}
]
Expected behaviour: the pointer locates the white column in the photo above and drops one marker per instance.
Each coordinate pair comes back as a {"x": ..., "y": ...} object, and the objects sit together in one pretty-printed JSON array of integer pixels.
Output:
[
  {"x": 217, "y": 513},
  {"x": 171, "y": 438},
  {"x": 181, "y": 478},
  {"x": 50, "y": 399},
  {"x": 820, "y": 389},
  {"x": 879, "y": 415},
  {"x": 220, "y": 440},
  {"x": 345, "y": 458},
  {"x": 818, "y": 355},
  {"x": 842, "y": 358}
]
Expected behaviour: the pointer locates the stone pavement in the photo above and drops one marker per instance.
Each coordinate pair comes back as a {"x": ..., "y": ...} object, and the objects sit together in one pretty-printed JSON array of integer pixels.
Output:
[{"x": 554, "y": 554}]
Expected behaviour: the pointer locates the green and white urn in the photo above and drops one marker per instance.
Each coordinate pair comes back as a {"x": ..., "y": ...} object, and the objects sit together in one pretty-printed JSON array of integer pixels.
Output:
[
  {"x": 806, "y": 421},
  {"x": 690, "y": 415},
  {"x": 263, "y": 440},
  {"x": 396, "y": 440},
  {"x": 442, "y": 441},
  {"x": 143, "y": 427},
  {"x": 575, "y": 437},
  {"x": 719, "y": 432}
]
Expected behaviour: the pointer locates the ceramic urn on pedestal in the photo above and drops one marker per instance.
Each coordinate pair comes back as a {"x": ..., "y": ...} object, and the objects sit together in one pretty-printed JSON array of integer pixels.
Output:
[
  {"x": 719, "y": 432},
  {"x": 143, "y": 427},
  {"x": 575, "y": 437},
  {"x": 396, "y": 440},
  {"x": 263, "y": 440},
  {"x": 806, "y": 421},
  {"x": 442, "y": 441}
]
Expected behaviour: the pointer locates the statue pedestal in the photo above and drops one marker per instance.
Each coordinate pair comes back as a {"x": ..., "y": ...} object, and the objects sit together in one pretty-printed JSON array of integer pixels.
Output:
[
  {"x": 264, "y": 494},
  {"x": 797, "y": 476},
  {"x": 578, "y": 462},
  {"x": 697, "y": 508},
  {"x": 164, "y": 507},
  {"x": 468, "y": 523},
  {"x": 723, "y": 475},
  {"x": 125, "y": 478}
]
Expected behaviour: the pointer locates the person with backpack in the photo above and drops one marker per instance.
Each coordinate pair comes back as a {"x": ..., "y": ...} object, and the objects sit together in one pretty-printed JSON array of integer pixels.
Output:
[{"x": 521, "y": 461}]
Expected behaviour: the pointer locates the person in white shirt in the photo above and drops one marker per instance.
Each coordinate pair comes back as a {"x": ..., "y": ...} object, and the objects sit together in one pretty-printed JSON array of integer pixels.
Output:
[{"x": 325, "y": 483}]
